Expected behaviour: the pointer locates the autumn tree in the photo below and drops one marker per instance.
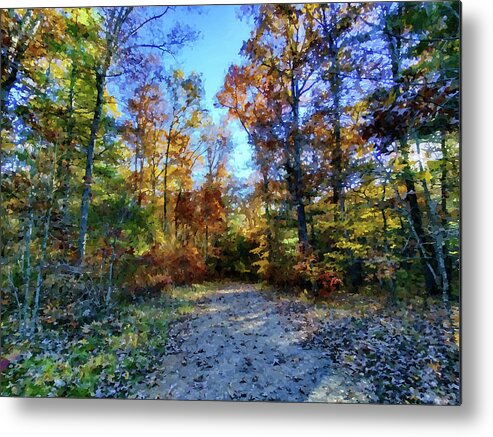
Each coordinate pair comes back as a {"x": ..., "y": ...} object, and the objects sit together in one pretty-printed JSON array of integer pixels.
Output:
[
  {"x": 121, "y": 27},
  {"x": 183, "y": 115},
  {"x": 282, "y": 46}
]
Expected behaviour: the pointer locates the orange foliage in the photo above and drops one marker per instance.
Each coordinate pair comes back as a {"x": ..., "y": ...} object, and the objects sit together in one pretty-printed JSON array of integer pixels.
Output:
[
  {"x": 160, "y": 268},
  {"x": 150, "y": 276},
  {"x": 185, "y": 265}
]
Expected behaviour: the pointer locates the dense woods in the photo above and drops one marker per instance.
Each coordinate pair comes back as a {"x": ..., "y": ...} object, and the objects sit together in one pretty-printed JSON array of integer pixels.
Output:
[{"x": 116, "y": 179}]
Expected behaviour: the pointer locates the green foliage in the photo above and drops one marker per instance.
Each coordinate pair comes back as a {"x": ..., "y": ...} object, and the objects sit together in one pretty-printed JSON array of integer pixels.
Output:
[{"x": 106, "y": 357}]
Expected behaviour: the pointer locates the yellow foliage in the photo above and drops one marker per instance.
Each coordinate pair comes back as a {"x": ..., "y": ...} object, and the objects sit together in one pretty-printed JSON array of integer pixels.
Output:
[{"x": 111, "y": 104}]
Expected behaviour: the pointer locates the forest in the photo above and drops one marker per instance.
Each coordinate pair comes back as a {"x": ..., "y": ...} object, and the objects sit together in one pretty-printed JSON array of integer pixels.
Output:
[{"x": 121, "y": 199}]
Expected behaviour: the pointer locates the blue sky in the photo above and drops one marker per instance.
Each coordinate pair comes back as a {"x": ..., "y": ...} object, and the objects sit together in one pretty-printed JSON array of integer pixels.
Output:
[{"x": 222, "y": 35}]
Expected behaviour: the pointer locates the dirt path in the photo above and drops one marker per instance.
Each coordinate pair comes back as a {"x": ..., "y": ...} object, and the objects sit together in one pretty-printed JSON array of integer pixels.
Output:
[{"x": 240, "y": 345}]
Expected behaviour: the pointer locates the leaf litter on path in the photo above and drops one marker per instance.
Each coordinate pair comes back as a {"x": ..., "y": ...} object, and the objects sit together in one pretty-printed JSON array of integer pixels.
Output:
[{"x": 240, "y": 345}]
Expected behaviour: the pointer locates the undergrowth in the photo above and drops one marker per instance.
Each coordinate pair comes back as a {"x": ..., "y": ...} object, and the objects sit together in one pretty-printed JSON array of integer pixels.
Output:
[{"x": 106, "y": 357}]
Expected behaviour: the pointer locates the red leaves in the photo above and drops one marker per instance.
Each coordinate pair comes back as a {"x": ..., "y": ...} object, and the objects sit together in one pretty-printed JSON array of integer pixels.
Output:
[
  {"x": 185, "y": 209},
  {"x": 328, "y": 282}
]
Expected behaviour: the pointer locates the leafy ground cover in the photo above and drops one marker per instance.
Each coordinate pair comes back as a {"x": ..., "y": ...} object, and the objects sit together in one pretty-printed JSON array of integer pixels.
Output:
[
  {"x": 407, "y": 354},
  {"x": 106, "y": 357},
  {"x": 244, "y": 342}
]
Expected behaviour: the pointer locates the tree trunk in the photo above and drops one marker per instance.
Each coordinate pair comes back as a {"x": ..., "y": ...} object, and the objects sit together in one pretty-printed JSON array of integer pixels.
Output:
[
  {"x": 86, "y": 194},
  {"x": 394, "y": 46},
  {"x": 437, "y": 231},
  {"x": 110, "y": 274},
  {"x": 141, "y": 182},
  {"x": 265, "y": 189},
  {"x": 421, "y": 248},
  {"x": 444, "y": 195},
  {"x": 178, "y": 199},
  {"x": 335, "y": 85},
  {"x": 165, "y": 183},
  {"x": 27, "y": 266},
  {"x": 136, "y": 166},
  {"x": 428, "y": 256},
  {"x": 297, "y": 188},
  {"x": 330, "y": 33},
  {"x": 390, "y": 281},
  {"x": 64, "y": 171},
  {"x": 15, "y": 292},
  {"x": 206, "y": 242},
  {"x": 44, "y": 244},
  {"x": 41, "y": 266}
]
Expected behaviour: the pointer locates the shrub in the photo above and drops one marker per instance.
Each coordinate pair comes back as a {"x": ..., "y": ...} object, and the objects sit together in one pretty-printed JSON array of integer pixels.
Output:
[
  {"x": 161, "y": 267},
  {"x": 185, "y": 265},
  {"x": 327, "y": 283},
  {"x": 149, "y": 276}
]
